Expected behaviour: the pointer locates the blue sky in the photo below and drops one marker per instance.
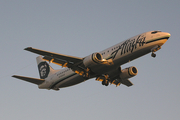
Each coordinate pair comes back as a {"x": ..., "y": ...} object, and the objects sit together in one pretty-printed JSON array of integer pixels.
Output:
[{"x": 79, "y": 28}]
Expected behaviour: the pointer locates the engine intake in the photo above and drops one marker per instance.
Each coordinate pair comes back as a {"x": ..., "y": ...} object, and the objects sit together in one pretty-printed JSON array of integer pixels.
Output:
[
  {"x": 128, "y": 73},
  {"x": 94, "y": 59}
]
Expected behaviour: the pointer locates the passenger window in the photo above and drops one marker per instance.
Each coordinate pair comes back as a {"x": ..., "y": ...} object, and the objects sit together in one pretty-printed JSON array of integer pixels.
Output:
[{"x": 154, "y": 32}]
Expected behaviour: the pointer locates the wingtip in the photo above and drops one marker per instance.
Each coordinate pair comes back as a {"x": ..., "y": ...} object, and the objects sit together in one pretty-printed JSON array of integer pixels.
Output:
[
  {"x": 28, "y": 48},
  {"x": 15, "y": 76}
]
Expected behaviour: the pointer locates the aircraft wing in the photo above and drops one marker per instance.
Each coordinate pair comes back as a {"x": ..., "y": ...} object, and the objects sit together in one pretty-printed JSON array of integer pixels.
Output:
[
  {"x": 127, "y": 82},
  {"x": 75, "y": 63},
  {"x": 31, "y": 80},
  {"x": 54, "y": 55}
]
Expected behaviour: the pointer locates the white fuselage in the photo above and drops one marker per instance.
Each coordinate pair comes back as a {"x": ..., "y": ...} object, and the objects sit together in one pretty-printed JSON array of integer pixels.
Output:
[{"x": 120, "y": 53}]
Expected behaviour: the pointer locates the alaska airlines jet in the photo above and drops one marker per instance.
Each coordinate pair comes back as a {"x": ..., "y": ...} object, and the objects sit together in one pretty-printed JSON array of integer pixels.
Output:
[{"x": 105, "y": 65}]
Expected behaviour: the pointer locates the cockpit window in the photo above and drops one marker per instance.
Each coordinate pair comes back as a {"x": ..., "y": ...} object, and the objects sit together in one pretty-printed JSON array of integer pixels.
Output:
[{"x": 154, "y": 32}]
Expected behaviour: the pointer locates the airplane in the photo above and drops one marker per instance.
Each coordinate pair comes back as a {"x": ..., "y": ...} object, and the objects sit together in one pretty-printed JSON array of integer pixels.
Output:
[{"x": 105, "y": 65}]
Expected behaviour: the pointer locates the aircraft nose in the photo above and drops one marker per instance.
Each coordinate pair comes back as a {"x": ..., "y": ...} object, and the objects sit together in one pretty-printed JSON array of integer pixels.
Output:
[{"x": 167, "y": 34}]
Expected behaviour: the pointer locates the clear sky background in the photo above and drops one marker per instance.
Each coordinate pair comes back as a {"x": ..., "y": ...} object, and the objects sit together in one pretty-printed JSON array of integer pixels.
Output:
[{"x": 79, "y": 28}]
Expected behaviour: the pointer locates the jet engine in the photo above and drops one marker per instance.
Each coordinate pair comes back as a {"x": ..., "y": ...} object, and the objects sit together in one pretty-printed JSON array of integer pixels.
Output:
[
  {"x": 128, "y": 73},
  {"x": 94, "y": 59}
]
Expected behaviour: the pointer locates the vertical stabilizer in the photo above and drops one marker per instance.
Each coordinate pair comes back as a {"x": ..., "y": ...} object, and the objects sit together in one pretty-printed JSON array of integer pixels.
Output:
[{"x": 45, "y": 70}]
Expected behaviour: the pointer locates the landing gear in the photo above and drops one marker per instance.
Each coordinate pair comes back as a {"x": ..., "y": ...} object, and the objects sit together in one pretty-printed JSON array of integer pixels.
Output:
[
  {"x": 105, "y": 82},
  {"x": 85, "y": 73},
  {"x": 153, "y": 55},
  {"x": 156, "y": 48},
  {"x": 104, "y": 79}
]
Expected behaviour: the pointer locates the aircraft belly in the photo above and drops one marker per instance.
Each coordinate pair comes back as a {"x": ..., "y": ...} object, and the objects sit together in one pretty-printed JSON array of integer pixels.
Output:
[
  {"x": 73, "y": 80},
  {"x": 122, "y": 59}
]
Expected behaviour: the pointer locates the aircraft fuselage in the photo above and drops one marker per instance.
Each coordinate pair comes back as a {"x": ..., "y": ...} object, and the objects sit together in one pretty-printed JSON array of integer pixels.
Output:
[{"x": 120, "y": 54}]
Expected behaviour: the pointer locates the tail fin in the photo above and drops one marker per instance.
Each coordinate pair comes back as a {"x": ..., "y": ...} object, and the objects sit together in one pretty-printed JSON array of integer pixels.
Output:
[{"x": 45, "y": 70}]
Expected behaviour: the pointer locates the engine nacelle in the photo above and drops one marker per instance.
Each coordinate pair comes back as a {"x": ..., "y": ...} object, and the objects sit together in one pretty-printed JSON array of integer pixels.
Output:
[
  {"x": 94, "y": 59},
  {"x": 128, "y": 73}
]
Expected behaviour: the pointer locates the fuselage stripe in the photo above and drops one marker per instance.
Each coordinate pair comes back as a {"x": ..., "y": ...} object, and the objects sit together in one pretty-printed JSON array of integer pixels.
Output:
[
  {"x": 157, "y": 40},
  {"x": 52, "y": 86}
]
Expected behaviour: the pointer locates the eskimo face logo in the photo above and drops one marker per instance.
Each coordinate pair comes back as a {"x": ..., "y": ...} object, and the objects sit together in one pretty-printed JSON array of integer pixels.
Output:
[{"x": 43, "y": 70}]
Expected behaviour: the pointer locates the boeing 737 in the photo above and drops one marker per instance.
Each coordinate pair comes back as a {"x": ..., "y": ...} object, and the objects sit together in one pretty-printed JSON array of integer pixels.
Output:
[{"x": 105, "y": 65}]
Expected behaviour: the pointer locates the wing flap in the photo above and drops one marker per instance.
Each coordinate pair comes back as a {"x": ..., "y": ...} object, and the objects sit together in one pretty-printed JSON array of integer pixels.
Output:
[
  {"x": 124, "y": 82},
  {"x": 55, "y": 61},
  {"x": 116, "y": 82},
  {"x": 29, "y": 79}
]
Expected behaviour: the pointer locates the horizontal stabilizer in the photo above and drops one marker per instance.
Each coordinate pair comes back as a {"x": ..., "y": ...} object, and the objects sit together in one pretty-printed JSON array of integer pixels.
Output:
[
  {"x": 31, "y": 80},
  {"x": 127, "y": 82}
]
